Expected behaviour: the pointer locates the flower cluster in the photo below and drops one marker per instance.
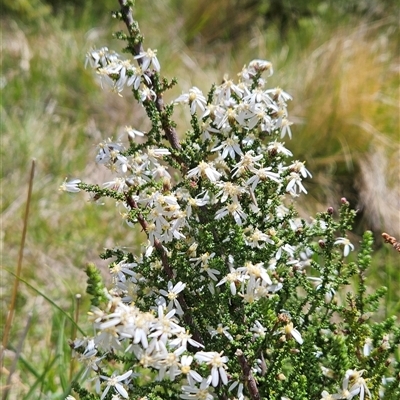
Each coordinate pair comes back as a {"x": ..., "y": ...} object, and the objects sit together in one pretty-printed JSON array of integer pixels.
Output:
[
  {"x": 220, "y": 303},
  {"x": 116, "y": 73},
  {"x": 353, "y": 384}
]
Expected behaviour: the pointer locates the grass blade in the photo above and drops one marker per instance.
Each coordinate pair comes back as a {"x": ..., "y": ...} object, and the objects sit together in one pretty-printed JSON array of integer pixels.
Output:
[{"x": 71, "y": 319}]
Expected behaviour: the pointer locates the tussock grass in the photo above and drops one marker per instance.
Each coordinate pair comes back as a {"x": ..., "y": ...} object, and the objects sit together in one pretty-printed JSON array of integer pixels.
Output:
[
  {"x": 349, "y": 131},
  {"x": 344, "y": 81}
]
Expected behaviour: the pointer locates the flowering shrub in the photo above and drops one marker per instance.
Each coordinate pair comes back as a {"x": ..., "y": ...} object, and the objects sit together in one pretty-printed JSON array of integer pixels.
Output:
[{"x": 233, "y": 295}]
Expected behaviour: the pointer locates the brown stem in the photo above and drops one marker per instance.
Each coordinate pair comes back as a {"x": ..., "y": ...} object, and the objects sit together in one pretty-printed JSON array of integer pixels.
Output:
[
  {"x": 10, "y": 315},
  {"x": 168, "y": 270},
  {"x": 248, "y": 376},
  {"x": 169, "y": 130},
  {"x": 158, "y": 246},
  {"x": 127, "y": 16}
]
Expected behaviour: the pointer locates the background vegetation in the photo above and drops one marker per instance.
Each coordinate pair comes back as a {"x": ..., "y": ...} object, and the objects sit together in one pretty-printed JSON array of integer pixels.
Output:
[{"x": 339, "y": 60}]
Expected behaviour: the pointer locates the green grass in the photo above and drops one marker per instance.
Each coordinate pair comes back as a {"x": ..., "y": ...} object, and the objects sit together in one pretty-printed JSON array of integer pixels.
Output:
[{"x": 344, "y": 80}]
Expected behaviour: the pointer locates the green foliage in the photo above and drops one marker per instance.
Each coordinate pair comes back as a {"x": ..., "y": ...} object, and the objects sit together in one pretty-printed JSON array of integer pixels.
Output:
[{"x": 95, "y": 285}]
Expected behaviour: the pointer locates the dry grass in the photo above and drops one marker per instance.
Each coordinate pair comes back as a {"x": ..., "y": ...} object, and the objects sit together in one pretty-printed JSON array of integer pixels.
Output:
[{"x": 348, "y": 106}]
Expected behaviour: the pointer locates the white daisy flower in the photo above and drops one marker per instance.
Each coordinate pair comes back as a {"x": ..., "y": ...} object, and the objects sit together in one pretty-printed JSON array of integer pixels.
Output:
[{"x": 346, "y": 243}]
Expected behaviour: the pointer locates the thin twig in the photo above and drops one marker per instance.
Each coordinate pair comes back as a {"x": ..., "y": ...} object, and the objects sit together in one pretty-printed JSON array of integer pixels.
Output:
[
  {"x": 157, "y": 244},
  {"x": 248, "y": 376},
  {"x": 169, "y": 130},
  {"x": 11, "y": 311},
  {"x": 168, "y": 270}
]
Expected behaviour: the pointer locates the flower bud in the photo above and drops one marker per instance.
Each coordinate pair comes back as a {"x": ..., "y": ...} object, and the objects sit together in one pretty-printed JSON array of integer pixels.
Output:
[
  {"x": 166, "y": 184},
  {"x": 281, "y": 377}
]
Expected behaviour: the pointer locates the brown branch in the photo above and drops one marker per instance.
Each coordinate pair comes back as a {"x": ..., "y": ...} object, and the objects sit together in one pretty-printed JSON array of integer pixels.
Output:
[
  {"x": 127, "y": 16},
  {"x": 168, "y": 270},
  {"x": 248, "y": 376},
  {"x": 157, "y": 244},
  {"x": 170, "y": 132}
]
